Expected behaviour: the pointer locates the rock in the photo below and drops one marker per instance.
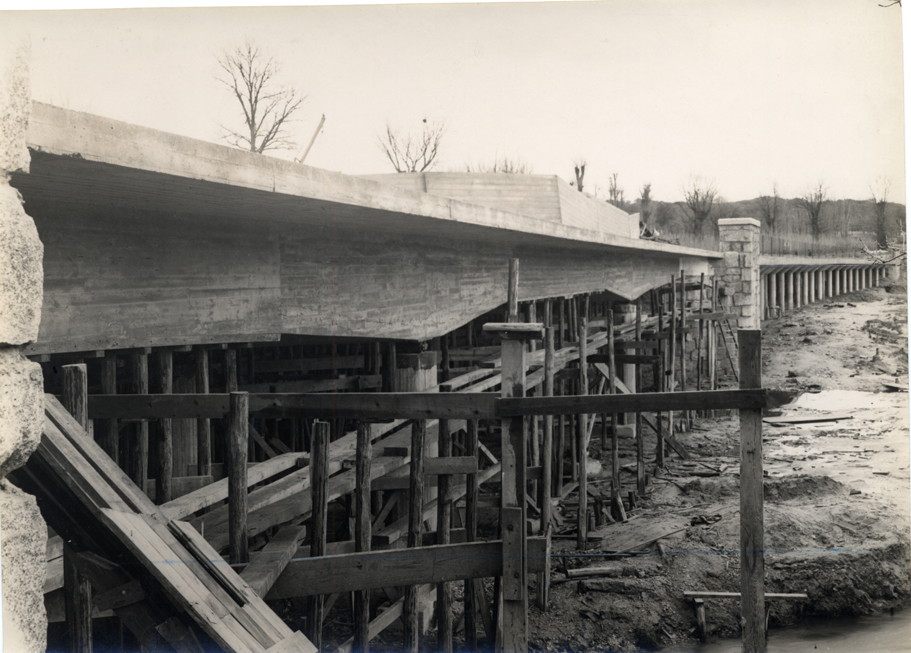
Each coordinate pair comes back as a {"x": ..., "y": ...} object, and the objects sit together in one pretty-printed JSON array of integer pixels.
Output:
[
  {"x": 21, "y": 271},
  {"x": 592, "y": 467},
  {"x": 23, "y": 539},
  {"x": 21, "y": 408},
  {"x": 15, "y": 104}
]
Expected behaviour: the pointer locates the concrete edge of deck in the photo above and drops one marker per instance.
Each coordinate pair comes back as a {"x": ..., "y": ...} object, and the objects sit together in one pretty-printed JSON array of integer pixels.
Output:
[{"x": 67, "y": 133}]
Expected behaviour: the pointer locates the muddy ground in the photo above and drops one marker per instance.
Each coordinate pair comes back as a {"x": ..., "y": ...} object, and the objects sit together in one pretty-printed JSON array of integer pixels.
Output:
[{"x": 836, "y": 498}]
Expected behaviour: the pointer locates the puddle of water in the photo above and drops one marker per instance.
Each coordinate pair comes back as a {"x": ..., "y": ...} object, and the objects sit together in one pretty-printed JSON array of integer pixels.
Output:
[{"x": 870, "y": 634}]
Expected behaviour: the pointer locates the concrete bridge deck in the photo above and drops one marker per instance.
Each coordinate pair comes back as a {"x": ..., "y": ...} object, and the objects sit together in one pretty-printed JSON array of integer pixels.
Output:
[{"x": 154, "y": 239}]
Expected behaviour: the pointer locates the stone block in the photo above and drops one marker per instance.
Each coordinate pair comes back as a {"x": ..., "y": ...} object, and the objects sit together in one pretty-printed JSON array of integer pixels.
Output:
[
  {"x": 21, "y": 271},
  {"x": 742, "y": 300},
  {"x": 23, "y": 540},
  {"x": 746, "y": 310},
  {"x": 731, "y": 259},
  {"x": 21, "y": 409},
  {"x": 746, "y": 287},
  {"x": 15, "y": 104}
]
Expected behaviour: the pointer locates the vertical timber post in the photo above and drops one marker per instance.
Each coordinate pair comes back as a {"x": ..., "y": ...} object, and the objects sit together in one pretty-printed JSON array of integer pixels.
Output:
[
  {"x": 471, "y": 533},
  {"x": 319, "y": 491},
  {"x": 444, "y": 517},
  {"x": 75, "y": 392},
  {"x": 362, "y": 533},
  {"x": 410, "y": 616},
  {"x": 77, "y": 604},
  {"x": 752, "y": 566},
  {"x": 238, "y": 420},
  {"x": 110, "y": 441},
  {"x": 139, "y": 451},
  {"x": 581, "y": 433},
  {"x": 163, "y": 477},
  {"x": 547, "y": 458},
  {"x": 203, "y": 434}
]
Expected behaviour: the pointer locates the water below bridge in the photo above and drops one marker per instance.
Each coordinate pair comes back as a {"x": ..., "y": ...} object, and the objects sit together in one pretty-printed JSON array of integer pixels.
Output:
[{"x": 883, "y": 633}]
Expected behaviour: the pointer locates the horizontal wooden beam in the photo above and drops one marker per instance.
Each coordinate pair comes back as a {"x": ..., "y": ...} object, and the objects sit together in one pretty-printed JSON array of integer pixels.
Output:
[
  {"x": 516, "y": 330},
  {"x": 399, "y": 567},
  {"x": 377, "y": 405},
  {"x": 213, "y": 406},
  {"x": 342, "y": 383},
  {"x": 624, "y": 359},
  {"x": 633, "y": 403}
]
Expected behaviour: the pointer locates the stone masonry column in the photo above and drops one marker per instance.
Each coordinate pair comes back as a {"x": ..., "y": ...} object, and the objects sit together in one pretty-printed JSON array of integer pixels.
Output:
[
  {"x": 23, "y": 533},
  {"x": 739, "y": 239}
]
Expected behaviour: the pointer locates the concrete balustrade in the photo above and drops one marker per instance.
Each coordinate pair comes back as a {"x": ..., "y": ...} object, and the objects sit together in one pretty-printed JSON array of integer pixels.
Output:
[{"x": 789, "y": 282}]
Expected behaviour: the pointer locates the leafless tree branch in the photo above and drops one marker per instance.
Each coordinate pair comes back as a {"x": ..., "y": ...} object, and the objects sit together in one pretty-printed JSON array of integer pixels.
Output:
[
  {"x": 699, "y": 195},
  {"x": 409, "y": 153},
  {"x": 249, "y": 75}
]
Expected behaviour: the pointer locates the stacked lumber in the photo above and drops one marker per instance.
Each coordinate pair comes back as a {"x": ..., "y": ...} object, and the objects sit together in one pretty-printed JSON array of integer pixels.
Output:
[{"x": 182, "y": 594}]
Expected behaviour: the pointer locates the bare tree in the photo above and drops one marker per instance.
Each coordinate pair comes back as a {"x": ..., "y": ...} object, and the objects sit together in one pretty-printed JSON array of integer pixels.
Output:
[
  {"x": 502, "y": 165},
  {"x": 267, "y": 106},
  {"x": 614, "y": 192},
  {"x": 579, "y": 169},
  {"x": 409, "y": 153},
  {"x": 812, "y": 202},
  {"x": 880, "y": 191},
  {"x": 770, "y": 205},
  {"x": 699, "y": 195}
]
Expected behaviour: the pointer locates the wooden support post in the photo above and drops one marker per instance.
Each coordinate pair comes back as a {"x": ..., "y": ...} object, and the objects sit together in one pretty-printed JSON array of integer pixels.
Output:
[
  {"x": 319, "y": 492},
  {"x": 547, "y": 457},
  {"x": 389, "y": 368},
  {"x": 699, "y": 335},
  {"x": 672, "y": 352},
  {"x": 581, "y": 439},
  {"x": 139, "y": 449},
  {"x": 444, "y": 357},
  {"x": 362, "y": 533},
  {"x": 444, "y": 518},
  {"x": 640, "y": 436},
  {"x": 752, "y": 566},
  {"x": 165, "y": 473},
  {"x": 512, "y": 619},
  {"x": 512, "y": 291},
  {"x": 410, "y": 616},
  {"x": 77, "y": 603},
  {"x": 561, "y": 331},
  {"x": 75, "y": 392},
  {"x": 230, "y": 370},
  {"x": 110, "y": 439},
  {"x": 699, "y": 604},
  {"x": 615, "y": 438},
  {"x": 203, "y": 428},
  {"x": 471, "y": 534},
  {"x": 238, "y": 420},
  {"x": 659, "y": 416},
  {"x": 683, "y": 334}
]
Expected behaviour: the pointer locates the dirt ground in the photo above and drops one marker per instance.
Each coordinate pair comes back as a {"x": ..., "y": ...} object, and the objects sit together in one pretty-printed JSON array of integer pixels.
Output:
[{"x": 836, "y": 498}]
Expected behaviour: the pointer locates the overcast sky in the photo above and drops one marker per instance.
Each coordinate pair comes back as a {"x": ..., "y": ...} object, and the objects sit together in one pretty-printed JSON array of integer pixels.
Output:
[{"x": 745, "y": 92}]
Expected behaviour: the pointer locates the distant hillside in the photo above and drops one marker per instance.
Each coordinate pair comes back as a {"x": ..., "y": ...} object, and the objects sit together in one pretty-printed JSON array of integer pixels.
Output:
[{"x": 839, "y": 217}]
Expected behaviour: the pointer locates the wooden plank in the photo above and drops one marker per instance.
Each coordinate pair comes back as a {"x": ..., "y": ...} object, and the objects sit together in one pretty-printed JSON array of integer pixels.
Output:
[
  {"x": 752, "y": 564},
  {"x": 713, "y": 315},
  {"x": 91, "y": 453},
  {"x": 376, "y": 406},
  {"x": 346, "y": 383},
  {"x": 754, "y": 398},
  {"x": 180, "y": 485},
  {"x": 267, "y": 564},
  {"x": 119, "y": 597},
  {"x": 466, "y": 379},
  {"x": 627, "y": 359},
  {"x": 183, "y": 588},
  {"x": 110, "y": 438},
  {"x": 398, "y": 567},
  {"x": 798, "y": 596},
  {"x": 808, "y": 418},
  {"x": 516, "y": 331},
  {"x": 218, "y": 491},
  {"x": 238, "y": 423},
  {"x": 304, "y": 365}
]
